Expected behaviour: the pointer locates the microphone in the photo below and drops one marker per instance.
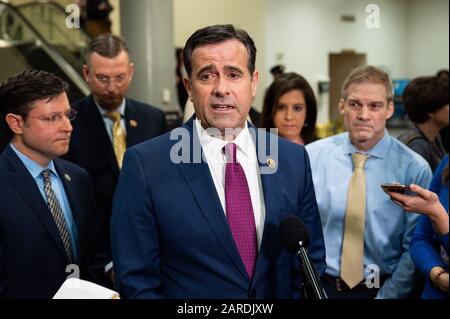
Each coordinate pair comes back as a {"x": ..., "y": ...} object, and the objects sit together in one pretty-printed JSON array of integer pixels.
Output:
[{"x": 295, "y": 237}]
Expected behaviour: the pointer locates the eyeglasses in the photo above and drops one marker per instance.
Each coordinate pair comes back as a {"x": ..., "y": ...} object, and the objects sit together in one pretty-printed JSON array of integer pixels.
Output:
[
  {"x": 106, "y": 80},
  {"x": 56, "y": 117}
]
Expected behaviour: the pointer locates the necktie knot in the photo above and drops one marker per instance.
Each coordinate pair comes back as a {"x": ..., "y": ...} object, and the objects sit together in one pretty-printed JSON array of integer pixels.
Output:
[
  {"x": 114, "y": 116},
  {"x": 359, "y": 160},
  {"x": 230, "y": 152},
  {"x": 46, "y": 174}
]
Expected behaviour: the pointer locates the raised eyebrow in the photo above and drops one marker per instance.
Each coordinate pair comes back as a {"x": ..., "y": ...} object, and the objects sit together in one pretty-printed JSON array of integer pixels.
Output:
[
  {"x": 233, "y": 68},
  {"x": 206, "y": 68},
  {"x": 354, "y": 100}
]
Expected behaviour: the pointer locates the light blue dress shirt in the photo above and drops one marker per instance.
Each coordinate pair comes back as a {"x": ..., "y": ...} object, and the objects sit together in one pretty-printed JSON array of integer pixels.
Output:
[
  {"x": 388, "y": 228},
  {"x": 58, "y": 188},
  {"x": 109, "y": 122}
]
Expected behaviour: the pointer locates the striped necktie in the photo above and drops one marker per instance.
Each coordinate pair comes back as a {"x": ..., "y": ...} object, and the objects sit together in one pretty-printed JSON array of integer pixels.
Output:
[
  {"x": 57, "y": 214},
  {"x": 119, "y": 136}
]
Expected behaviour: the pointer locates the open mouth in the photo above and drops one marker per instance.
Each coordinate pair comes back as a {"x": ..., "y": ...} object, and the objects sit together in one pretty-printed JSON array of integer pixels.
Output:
[{"x": 222, "y": 107}]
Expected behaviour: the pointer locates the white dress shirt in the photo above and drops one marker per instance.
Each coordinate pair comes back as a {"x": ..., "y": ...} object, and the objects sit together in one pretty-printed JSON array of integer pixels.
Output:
[{"x": 246, "y": 155}]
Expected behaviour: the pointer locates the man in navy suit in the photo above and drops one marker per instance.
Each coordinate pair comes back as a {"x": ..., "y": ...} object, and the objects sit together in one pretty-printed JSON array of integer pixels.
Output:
[
  {"x": 198, "y": 217},
  {"x": 108, "y": 71},
  {"x": 47, "y": 214}
]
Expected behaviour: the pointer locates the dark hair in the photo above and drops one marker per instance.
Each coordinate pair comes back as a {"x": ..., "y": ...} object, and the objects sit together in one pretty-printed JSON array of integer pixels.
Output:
[
  {"x": 442, "y": 74},
  {"x": 277, "y": 70},
  {"x": 424, "y": 95},
  {"x": 18, "y": 93},
  {"x": 107, "y": 45},
  {"x": 371, "y": 74},
  {"x": 217, "y": 34},
  {"x": 285, "y": 83}
]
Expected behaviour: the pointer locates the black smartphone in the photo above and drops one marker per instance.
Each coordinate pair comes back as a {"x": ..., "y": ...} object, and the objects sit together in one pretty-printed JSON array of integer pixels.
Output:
[{"x": 396, "y": 187}]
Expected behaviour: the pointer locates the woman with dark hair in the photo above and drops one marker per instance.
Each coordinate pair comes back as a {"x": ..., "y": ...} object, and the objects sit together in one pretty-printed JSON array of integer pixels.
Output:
[
  {"x": 290, "y": 106},
  {"x": 429, "y": 244}
]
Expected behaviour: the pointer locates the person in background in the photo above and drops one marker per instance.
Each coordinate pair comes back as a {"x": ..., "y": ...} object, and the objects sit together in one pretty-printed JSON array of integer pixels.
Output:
[
  {"x": 366, "y": 234},
  {"x": 445, "y": 134},
  {"x": 277, "y": 70},
  {"x": 48, "y": 225},
  {"x": 291, "y": 107},
  {"x": 426, "y": 102},
  {"x": 429, "y": 244},
  {"x": 97, "y": 17},
  {"x": 109, "y": 122},
  {"x": 180, "y": 74}
]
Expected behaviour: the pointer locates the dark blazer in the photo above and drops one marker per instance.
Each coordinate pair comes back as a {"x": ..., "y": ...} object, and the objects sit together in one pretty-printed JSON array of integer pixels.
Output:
[
  {"x": 170, "y": 236},
  {"x": 32, "y": 256},
  {"x": 91, "y": 148}
]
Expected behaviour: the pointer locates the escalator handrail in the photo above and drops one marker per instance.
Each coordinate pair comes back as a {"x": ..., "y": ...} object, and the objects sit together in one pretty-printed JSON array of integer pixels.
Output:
[
  {"x": 52, "y": 52},
  {"x": 50, "y": 3}
]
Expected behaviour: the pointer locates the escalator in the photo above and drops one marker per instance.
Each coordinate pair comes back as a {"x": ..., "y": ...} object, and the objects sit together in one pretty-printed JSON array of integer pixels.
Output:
[{"x": 34, "y": 35}]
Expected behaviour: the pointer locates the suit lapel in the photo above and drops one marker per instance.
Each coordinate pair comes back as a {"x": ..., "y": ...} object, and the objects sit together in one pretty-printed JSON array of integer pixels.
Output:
[
  {"x": 131, "y": 123},
  {"x": 199, "y": 180},
  {"x": 26, "y": 186},
  {"x": 272, "y": 201},
  {"x": 96, "y": 128}
]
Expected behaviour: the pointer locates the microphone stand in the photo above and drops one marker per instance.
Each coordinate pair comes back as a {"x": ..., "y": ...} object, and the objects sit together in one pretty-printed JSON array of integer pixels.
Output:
[{"x": 310, "y": 275}]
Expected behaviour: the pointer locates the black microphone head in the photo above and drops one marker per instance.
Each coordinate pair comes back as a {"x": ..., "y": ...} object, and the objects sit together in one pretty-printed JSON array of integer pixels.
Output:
[{"x": 292, "y": 231}]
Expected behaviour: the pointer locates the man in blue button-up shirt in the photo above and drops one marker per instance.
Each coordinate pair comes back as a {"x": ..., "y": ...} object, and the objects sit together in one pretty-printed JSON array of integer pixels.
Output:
[
  {"x": 366, "y": 104},
  {"x": 46, "y": 233}
]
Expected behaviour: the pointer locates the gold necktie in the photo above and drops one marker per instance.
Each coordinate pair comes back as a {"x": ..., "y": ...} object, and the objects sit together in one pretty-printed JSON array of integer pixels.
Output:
[
  {"x": 353, "y": 242},
  {"x": 119, "y": 137}
]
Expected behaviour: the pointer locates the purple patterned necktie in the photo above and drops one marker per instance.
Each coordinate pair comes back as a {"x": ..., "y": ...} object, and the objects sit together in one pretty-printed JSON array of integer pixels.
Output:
[{"x": 239, "y": 209}]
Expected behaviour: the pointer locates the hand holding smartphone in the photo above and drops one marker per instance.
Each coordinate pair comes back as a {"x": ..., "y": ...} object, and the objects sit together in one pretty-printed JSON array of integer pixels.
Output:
[{"x": 397, "y": 188}]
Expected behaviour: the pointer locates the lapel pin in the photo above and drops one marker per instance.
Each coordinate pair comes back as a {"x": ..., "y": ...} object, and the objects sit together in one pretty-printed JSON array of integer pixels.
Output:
[
  {"x": 67, "y": 177},
  {"x": 271, "y": 163},
  {"x": 133, "y": 123}
]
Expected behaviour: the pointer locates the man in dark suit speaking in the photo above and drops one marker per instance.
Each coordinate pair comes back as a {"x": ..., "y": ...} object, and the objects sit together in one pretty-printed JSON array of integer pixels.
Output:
[
  {"x": 107, "y": 121},
  {"x": 198, "y": 217},
  {"x": 47, "y": 218}
]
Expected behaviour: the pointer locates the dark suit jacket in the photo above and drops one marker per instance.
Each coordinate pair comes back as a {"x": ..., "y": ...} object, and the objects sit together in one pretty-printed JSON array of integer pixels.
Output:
[
  {"x": 32, "y": 256},
  {"x": 91, "y": 148},
  {"x": 170, "y": 236}
]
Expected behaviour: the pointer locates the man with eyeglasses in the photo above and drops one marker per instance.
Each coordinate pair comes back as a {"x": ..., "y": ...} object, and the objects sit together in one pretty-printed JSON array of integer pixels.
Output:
[
  {"x": 47, "y": 216},
  {"x": 108, "y": 122}
]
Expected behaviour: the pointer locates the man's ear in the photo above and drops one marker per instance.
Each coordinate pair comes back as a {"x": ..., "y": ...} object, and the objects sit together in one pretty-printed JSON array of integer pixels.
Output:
[
  {"x": 131, "y": 72},
  {"x": 86, "y": 73},
  {"x": 341, "y": 105},
  {"x": 187, "y": 85},
  {"x": 255, "y": 81},
  {"x": 15, "y": 123},
  {"x": 390, "y": 110}
]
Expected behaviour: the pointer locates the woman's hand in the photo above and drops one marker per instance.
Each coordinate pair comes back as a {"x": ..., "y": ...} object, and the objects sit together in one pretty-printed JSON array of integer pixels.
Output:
[{"x": 424, "y": 202}]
